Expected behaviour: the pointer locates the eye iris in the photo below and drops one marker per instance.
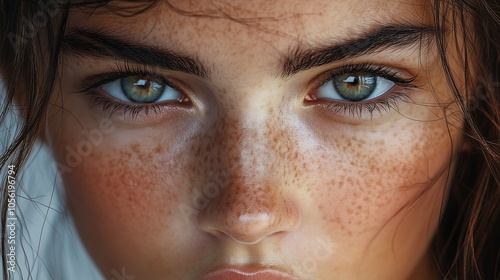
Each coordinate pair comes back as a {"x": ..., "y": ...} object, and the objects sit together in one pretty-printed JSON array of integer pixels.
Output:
[
  {"x": 355, "y": 87},
  {"x": 142, "y": 89}
]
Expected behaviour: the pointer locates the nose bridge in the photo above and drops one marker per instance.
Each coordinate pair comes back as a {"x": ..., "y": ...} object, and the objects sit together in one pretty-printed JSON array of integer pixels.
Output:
[
  {"x": 253, "y": 150},
  {"x": 252, "y": 205}
]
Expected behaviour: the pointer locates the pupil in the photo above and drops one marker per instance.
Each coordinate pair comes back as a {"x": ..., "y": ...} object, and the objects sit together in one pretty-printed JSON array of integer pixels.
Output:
[
  {"x": 352, "y": 80},
  {"x": 355, "y": 87},
  {"x": 142, "y": 89},
  {"x": 143, "y": 84}
]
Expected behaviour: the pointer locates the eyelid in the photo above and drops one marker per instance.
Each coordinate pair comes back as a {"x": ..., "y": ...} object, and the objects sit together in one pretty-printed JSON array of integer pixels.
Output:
[
  {"x": 92, "y": 86},
  {"x": 346, "y": 111},
  {"x": 382, "y": 87},
  {"x": 363, "y": 111},
  {"x": 96, "y": 81},
  {"x": 93, "y": 82},
  {"x": 367, "y": 68}
]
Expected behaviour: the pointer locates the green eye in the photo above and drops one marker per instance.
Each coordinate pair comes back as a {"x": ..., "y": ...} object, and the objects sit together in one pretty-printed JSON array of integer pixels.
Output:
[
  {"x": 142, "y": 89},
  {"x": 354, "y": 87}
]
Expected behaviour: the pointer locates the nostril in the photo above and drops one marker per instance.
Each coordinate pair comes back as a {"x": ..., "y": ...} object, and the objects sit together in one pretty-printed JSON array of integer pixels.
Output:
[{"x": 247, "y": 228}]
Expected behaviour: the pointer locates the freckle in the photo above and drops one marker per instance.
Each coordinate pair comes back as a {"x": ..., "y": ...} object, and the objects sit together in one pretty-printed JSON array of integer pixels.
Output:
[
  {"x": 124, "y": 155},
  {"x": 340, "y": 184},
  {"x": 135, "y": 147},
  {"x": 349, "y": 180},
  {"x": 158, "y": 149}
]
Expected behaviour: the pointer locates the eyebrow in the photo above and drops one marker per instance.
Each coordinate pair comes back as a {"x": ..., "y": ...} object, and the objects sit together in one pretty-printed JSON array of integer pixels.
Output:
[
  {"x": 91, "y": 43},
  {"x": 299, "y": 58}
]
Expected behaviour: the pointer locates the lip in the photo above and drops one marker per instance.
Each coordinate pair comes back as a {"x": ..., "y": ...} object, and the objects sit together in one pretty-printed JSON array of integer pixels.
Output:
[{"x": 256, "y": 272}]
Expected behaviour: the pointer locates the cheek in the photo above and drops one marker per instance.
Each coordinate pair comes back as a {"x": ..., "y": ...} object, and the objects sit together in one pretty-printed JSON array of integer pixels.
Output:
[
  {"x": 123, "y": 196},
  {"x": 123, "y": 182},
  {"x": 366, "y": 180}
]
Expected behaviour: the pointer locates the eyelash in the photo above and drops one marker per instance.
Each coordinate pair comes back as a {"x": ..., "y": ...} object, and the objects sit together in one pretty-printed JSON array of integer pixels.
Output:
[
  {"x": 379, "y": 104},
  {"x": 109, "y": 106},
  {"x": 91, "y": 85}
]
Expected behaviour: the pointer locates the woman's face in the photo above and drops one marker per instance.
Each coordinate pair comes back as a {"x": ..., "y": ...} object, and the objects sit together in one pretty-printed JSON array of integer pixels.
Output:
[{"x": 262, "y": 138}]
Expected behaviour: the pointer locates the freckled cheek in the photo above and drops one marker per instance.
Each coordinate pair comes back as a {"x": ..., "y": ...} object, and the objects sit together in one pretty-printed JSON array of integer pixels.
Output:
[
  {"x": 363, "y": 186},
  {"x": 127, "y": 198}
]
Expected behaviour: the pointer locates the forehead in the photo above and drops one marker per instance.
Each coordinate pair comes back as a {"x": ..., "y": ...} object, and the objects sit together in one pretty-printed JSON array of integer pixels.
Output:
[
  {"x": 225, "y": 34},
  {"x": 302, "y": 20}
]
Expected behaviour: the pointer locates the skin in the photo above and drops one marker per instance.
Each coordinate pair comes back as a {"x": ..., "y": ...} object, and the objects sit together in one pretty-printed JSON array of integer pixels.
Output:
[{"x": 287, "y": 183}]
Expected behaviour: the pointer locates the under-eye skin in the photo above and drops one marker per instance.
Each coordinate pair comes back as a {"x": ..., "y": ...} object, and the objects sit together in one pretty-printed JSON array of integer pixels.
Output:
[{"x": 355, "y": 90}]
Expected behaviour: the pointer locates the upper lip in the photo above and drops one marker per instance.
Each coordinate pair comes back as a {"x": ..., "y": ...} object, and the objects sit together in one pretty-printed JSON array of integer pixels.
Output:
[{"x": 253, "y": 272}]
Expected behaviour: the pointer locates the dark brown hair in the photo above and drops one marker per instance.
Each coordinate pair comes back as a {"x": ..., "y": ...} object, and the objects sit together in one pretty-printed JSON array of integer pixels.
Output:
[{"x": 467, "y": 244}]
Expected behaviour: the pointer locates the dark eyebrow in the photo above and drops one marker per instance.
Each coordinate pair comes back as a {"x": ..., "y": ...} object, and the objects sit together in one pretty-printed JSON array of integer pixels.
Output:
[
  {"x": 99, "y": 44},
  {"x": 299, "y": 58}
]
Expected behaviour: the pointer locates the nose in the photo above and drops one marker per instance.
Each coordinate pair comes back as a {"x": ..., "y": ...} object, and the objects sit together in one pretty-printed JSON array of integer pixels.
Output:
[
  {"x": 255, "y": 203},
  {"x": 248, "y": 213}
]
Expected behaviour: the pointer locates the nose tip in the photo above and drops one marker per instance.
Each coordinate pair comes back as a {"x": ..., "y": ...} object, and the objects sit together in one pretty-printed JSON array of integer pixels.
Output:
[
  {"x": 247, "y": 228},
  {"x": 249, "y": 218}
]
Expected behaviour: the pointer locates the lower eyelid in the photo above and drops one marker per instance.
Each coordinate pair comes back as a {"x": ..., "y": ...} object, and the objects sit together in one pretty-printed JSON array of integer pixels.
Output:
[
  {"x": 383, "y": 105},
  {"x": 137, "y": 114}
]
